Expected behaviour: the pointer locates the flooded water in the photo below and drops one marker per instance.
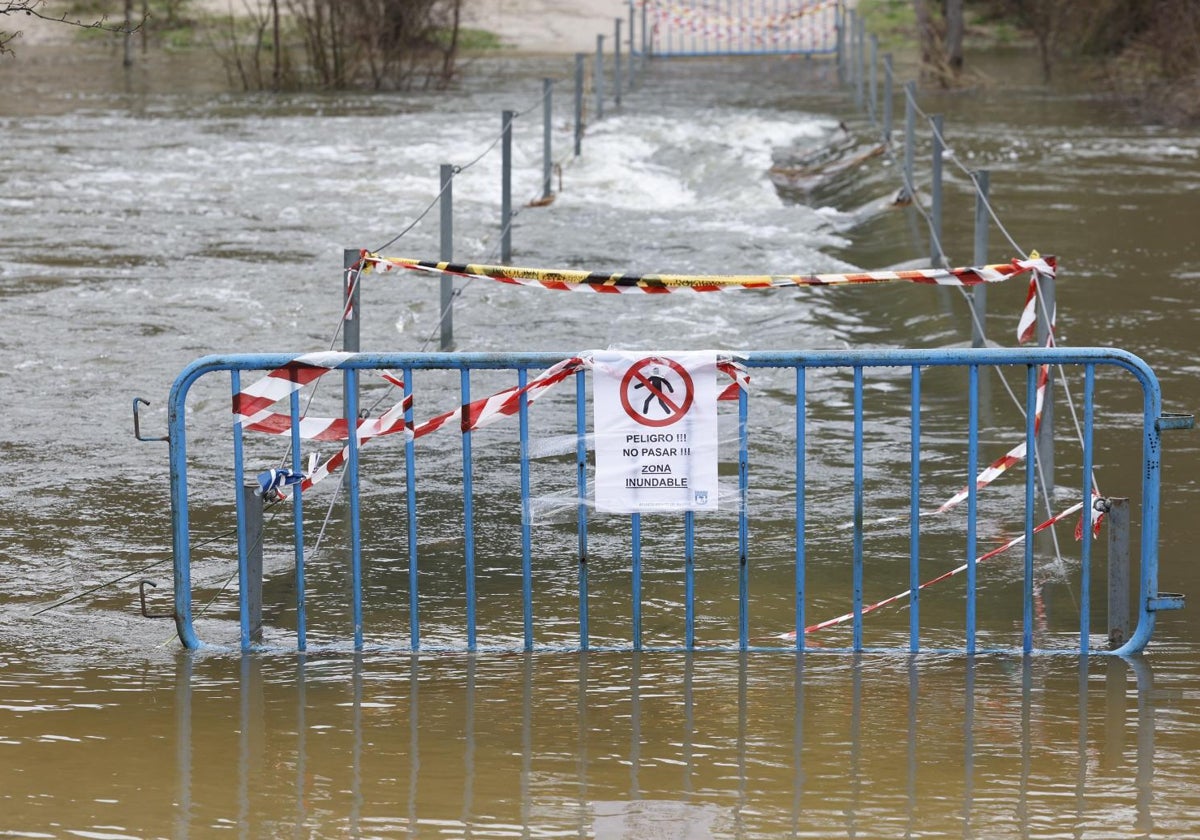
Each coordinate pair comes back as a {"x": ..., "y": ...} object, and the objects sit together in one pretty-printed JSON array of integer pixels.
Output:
[{"x": 153, "y": 218}]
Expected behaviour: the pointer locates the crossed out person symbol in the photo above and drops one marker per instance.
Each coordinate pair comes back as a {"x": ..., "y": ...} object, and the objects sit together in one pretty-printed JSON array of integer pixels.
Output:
[{"x": 657, "y": 383}]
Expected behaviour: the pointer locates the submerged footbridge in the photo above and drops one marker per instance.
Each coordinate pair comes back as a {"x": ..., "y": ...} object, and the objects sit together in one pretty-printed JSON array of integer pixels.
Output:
[
  {"x": 714, "y": 489},
  {"x": 746, "y": 27},
  {"x": 667, "y": 497}
]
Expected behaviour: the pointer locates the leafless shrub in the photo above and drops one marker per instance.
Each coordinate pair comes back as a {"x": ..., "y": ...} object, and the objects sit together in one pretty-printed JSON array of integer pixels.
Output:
[{"x": 383, "y": 44}]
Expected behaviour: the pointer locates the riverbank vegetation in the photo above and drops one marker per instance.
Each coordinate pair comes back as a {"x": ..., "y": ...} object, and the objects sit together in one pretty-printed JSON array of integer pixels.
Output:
[
  {"x": 1145, "y": 51},
  {"x": 376, "y": 44},
  {"x": 288, "y": 44}
]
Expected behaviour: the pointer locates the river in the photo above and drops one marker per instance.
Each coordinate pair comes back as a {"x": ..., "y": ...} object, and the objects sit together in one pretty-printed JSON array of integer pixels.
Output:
[{"x": 153, "y": 217}]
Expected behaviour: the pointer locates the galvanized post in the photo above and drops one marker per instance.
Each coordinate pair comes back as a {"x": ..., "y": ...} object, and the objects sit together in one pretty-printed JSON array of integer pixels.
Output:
[
  {"x": 632, "y": 65},
  {"x": 547, "y": 117},
  {"x": 351, "y": 311},
  {"x": 645, "y": 38},
  {"x": 617, "y": 62},
  {"x": 598, "y": 77},
  {"x": 252, "y": 504},
  {"x": 1118, "y": 571},
  {"x": 840, "y": 44},
  {"x": 855, "y": 79},
  {"x": 936, "y": 257},
  {"x": 350, "y": 301},
  {"x": 887, "y": 97},
  {"x": 447, "y": 254},
  {"x": 860, "y": 60},
  {"x": 910, "y": 138},
  {"x": 579, "y": 57},
  {"x": 506, "y": 119},
  {"x": 1045, "y": 330},
  {"x": 979, "y": 292},
  {"x": 873, "y": 105}
]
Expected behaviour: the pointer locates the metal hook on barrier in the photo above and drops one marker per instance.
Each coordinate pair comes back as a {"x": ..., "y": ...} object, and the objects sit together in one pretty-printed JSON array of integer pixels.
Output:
[
  {"x": 142, "y": 595},
  {"x": 137, "y": 425}
]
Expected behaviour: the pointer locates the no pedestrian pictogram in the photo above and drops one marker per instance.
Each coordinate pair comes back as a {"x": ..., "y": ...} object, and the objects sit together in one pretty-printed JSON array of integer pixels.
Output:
[{"x": 657, "y": 392}]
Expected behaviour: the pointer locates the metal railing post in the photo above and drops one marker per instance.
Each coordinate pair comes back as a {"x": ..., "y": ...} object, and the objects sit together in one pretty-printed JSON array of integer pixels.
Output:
[
  {"x": 860, "y": 60},
  {"x": 936, "y": 256},
  {"x": 617, "y": 62},
  {"x": 632, "y": 65},
  {"x": 840, "y": 44},
  {"x": 547, "y": 118},
  {"x": 873, "y": 102},
  {"x": 252, "y": 504},
  {"x": 910, "y": 139},
  {"x": 1045, "y": 435},
  {"x": 579, "y": 58},
  {"x": 645, "y": 38},
  {"x": 446, "y": 206},
  {"x": 351, "y": 312},
  {"x": 598, "y": 77},
  {"x": 506, "y": 119},
  {"x": 979, "y": 292},
  {"x": 888, "y": 94},
  {"x": 350, "y": 301}
]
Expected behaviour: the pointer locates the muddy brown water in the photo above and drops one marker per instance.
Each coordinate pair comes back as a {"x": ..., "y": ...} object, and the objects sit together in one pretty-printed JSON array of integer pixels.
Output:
[{"x": 151, "y": 218}]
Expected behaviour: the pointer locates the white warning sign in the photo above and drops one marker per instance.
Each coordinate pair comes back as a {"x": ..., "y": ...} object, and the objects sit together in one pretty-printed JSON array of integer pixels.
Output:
[{"x": 655, "y": 418}]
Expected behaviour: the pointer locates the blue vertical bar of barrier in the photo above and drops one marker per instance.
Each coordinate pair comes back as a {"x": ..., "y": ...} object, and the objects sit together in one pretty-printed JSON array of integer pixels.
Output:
[
  {"x": 352, "y": 478},
  {"x": 636, "y": 538},
  {"x": 743, "y": 523},
  {"x": 689, "y": 583},
  {"x": 468, "y": 513},
  {"x": 801, "y": 499},
  {"x": 1031, "y": 375},
  {"x": 526, "y": 536},
  {"x": 581, "y": 516},
  {"x": 243, "y": 549},
  {"x": 972, "y": 500},
  {"x": 298, "y": 529},
  {"x": 914, "y": 517},
  {"x": 180, "y": 529},
  {"x": 410, "y": 492},
  {"x": 858, "y": 506},
  {"x": 1151, "y": 480},
  {"x": 1085, "y": 562}
]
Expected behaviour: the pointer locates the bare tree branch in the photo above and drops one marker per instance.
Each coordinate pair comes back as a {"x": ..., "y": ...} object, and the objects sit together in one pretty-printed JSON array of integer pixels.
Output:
[{"x": 34, "y": 8}]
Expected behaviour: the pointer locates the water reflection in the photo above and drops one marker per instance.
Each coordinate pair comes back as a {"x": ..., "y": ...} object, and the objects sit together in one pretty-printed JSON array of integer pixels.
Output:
[{"x": 509, "y": 747}]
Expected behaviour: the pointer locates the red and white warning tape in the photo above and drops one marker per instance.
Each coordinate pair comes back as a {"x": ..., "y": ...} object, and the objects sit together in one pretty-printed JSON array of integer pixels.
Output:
[
  {"x": 252, "y": 405},
  {"x": 1014, "y": 456},
  {"x": 572, "y": 280},
  {"x": 1020, "y": 538}
]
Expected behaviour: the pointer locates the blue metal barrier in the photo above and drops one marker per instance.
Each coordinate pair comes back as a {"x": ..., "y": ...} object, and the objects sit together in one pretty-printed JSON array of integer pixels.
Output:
[{"x": 800, "y": 420}]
